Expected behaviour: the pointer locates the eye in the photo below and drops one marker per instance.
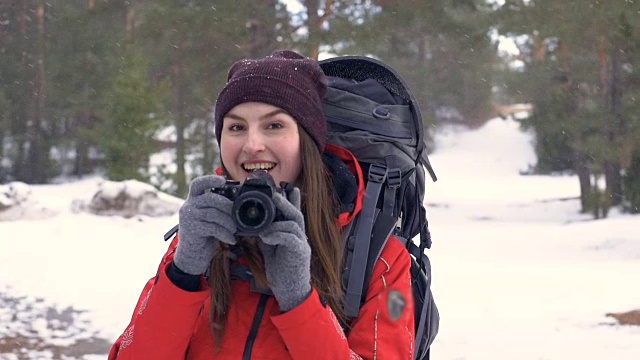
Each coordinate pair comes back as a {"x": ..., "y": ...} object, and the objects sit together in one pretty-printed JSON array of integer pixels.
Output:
[
  {"x": 275, "y": 125},
  {"x": 235, "y": 127}
]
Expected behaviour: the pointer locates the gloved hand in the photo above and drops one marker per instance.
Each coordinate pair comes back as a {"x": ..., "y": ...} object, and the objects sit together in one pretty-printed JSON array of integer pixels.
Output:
[
  {"x": 204, "y": 219},
  {"x": 287, "y": 254}
]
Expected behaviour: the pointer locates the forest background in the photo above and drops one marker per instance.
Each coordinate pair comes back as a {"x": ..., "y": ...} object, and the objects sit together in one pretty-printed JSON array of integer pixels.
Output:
[{"x": 100, "y": 86}]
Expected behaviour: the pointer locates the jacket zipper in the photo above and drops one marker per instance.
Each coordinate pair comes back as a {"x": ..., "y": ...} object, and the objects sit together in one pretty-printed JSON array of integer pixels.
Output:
[{"x": 255, "y": 325}]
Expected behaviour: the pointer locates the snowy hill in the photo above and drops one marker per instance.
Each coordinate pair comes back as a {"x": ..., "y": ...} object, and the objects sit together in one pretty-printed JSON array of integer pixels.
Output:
[{"x": 518, "y": 272}]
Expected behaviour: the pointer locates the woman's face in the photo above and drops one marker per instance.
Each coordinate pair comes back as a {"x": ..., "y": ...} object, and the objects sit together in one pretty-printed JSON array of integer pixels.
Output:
[{"x": 260, "y": 136}]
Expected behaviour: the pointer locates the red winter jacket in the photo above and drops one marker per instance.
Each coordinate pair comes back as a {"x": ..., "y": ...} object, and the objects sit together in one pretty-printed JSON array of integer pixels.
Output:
[{"x": 170, "y": 323}]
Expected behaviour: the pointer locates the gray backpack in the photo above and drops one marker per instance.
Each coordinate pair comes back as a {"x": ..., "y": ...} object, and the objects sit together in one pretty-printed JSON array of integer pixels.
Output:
[{"x": 372, "y": 113}]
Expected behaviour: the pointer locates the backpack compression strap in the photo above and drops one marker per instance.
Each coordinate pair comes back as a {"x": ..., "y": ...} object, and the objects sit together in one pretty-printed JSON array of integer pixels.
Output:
[{"x": 426, "y": 306}]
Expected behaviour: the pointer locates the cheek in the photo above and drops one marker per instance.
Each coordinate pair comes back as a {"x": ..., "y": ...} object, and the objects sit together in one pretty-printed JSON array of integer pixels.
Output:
[
  {"x": 228, "y": 151},
  {"x": 294, "y": 160}
]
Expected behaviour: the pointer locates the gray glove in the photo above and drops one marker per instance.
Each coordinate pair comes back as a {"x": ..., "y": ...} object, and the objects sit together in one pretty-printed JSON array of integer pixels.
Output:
[
  {"x": 287, "y": 254},
  {"x": 204, "y": 219}
]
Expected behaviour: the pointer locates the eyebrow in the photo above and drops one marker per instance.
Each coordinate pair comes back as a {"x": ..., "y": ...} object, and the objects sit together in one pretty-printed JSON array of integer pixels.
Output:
[{"x": 265, "y": 116}]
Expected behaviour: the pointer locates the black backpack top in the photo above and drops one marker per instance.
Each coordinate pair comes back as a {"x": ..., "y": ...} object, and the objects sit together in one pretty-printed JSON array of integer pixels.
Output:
[{"x": 372, "y": 113}]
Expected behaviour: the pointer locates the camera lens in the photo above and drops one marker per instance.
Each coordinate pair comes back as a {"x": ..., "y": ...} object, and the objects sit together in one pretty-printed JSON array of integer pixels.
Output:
[{"x": 253, "y": 211}]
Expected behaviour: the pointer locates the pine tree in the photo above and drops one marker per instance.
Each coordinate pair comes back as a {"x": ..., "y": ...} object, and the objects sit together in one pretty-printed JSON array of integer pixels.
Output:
[
  {"x": 131, "y": 118},
  {"x": 573, "y": 59},
  {"x": 192, "y": 45},
  {"x": 23, "y": 34},
  {"x": 86, "y": 49},
  {"x": 441, "y": 48}
]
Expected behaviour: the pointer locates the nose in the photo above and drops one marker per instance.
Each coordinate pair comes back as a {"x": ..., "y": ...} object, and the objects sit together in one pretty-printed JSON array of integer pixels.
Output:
[{"x": 254, "y": 142}]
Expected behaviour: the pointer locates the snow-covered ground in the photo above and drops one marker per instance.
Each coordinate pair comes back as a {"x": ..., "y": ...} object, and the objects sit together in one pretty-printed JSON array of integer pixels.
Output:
[{"x": 518, "y": 272}]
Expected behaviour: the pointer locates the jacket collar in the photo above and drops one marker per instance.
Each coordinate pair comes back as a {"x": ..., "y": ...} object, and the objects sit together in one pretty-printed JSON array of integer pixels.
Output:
[{"x": 350, "y": 161}]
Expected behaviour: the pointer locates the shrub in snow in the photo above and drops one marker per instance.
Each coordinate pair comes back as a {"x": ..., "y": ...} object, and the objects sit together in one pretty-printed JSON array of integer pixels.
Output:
[
  {"x": 13, "y": 194},
  {"x": 16, "y": 203},
  {"x": 130, "y": 198}
]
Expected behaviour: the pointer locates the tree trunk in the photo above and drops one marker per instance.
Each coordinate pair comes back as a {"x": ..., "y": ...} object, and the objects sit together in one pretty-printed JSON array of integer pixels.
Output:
[
  {"x": 180, "y": 122},
  {"x": 209, "y": 155},
  {"x": 580, "y": 160},
  {"x": 607, "y": 72},
  {"x": 539, "y": 49},
  {"x": 613, "y": 180},
  {"x": 262, "y": 31},
  {"x": 43, "y": 148},
  {"x": 314, "y": 24},
  {"x": 37, "y": 153},
  {"x": 617, "y": 129},
  {"x": 130, "y": 20},
  {"x": 20, "y": 119},
  {"x": 82, "y": 165},
  {"x": 83, "y": 122},
  {"x": 582, "y": 170}
]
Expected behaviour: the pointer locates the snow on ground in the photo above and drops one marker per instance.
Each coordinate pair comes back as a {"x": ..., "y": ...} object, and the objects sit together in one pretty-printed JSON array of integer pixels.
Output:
[{"x": 518, "y": 272}]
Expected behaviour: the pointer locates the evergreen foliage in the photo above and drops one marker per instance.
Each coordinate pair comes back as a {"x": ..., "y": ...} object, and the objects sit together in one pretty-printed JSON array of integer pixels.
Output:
[
  {"x": 86, "y": 86},
  {"x": 85, "y": 54},
  {"x": 442, "y": 48},
  {"x": 632, "y": 185},
  {"x": 573, "y": 60},
  {"x": 191, "y": 45},
  {"x": 131, "y": 116}
]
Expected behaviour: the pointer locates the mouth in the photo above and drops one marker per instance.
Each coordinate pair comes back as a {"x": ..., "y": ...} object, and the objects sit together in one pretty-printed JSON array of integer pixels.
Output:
[{"x": 249, "y": 167}]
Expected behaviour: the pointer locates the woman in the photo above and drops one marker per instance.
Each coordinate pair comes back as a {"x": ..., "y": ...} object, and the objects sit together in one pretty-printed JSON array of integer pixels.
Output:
[{"x": 277, "y": 295}]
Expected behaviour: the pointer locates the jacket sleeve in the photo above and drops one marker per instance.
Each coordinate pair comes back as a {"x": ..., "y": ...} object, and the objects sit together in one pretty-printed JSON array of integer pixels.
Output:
[
  {"x": 163, "y": 319},
  {"x": 384, "y": 328}
]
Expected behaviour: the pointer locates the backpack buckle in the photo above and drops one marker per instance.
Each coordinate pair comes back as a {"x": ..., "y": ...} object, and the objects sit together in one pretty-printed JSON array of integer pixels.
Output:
[
  {"x": 382, "y": 113},
  {"x": 394, "y": 177},
  {"x": 377, "y": 173}
]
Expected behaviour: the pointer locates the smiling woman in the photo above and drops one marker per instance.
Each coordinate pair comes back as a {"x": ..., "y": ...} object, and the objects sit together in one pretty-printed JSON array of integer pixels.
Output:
[
  {"x": 277, "y": 293},
  {"x": 260, "y": 136}
]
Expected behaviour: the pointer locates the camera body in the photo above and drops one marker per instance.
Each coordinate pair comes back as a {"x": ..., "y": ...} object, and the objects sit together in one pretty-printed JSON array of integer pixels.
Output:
[{"x": 253, "y": 209}]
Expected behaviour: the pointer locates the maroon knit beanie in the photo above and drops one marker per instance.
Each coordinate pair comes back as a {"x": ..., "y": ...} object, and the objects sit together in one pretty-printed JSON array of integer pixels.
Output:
[{"x": 284, "y": 79}]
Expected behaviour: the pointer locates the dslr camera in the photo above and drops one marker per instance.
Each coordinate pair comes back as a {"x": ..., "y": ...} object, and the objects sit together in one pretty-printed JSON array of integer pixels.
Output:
[{"x": 253, "y": 209}]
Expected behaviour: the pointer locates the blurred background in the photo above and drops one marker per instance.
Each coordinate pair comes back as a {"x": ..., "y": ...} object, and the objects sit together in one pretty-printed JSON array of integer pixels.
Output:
[
  {"x": 101, "y": 86},
  {"x": 531, "y": 110}
]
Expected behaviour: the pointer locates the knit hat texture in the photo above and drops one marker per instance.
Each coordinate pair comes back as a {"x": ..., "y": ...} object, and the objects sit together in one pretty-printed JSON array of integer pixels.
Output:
[{"x": 284, "y": 79}]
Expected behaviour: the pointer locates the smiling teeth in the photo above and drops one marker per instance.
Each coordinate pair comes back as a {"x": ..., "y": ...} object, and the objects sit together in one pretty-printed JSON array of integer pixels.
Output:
[{"x": 258, "y": 166}]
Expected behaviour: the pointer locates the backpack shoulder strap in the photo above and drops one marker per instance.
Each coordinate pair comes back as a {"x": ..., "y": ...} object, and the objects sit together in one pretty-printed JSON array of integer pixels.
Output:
[
  {"x": 381, "y": 232},
  {"x": 358, "y": 244}
]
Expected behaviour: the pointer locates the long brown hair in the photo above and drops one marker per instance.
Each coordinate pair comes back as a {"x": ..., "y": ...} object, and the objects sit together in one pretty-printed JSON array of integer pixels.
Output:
[{"x": 320, "y": 212}]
